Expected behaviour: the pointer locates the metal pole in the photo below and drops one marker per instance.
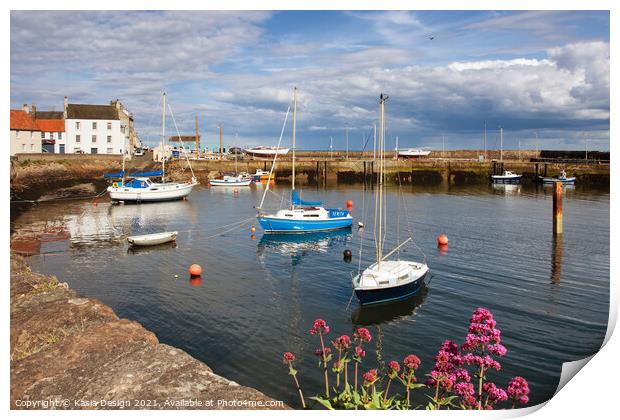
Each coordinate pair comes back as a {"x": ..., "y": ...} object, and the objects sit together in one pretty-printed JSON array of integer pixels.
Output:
[
  {"x": 197, "y": 141},
  {"x": 294, "y": 129},
  {"x": 221, "y": 153},
  {"x": 485, "y": 140},
  {"x": 346, "y": 137},
  {"x": 501, "y": 144}
]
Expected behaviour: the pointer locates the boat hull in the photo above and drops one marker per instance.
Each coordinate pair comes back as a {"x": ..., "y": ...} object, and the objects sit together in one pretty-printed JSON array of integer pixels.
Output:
[
  {"x": 500, "y": 179},
  {"x": 562, "y": 180},
  {"x": 220, "y": 183},
  {"x": 276, "y": 225},
  {"x": 390, "y": 294},
  {"x": 139, "y": 195},
  {"x": 152, "y": 239}
]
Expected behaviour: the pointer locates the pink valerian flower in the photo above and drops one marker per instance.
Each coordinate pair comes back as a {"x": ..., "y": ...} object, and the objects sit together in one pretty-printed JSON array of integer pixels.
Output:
[
  {"x": 320, "y": 352},
  {"x": 288, "y": 357},
  {"x": 394, "y": 366},
  {"x": 482, "y": 331},
  {"x": 363, "y": 335},
  {"x": 518, "y": 390},
  {"x": 370, "y": 377},
  {"x": 412, "y": 362},
  {"x": 338, "y": 366},
  {"x": 319, "y": 327},
  {"x": 497, "y": 349},
  {"x": 342, "y": 343},
  {"x": 467, "y": 393},
  {"x": 359, "y": 352},
  {"x": 494, "y": 393}
]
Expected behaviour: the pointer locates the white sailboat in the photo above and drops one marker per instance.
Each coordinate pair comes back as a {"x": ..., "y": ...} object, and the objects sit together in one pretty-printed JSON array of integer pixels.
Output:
[
  {"x": 387, "y": 280},
  {"x": 237, "y": 180},
  {"x": 301, "y": 216},
  {"x": 138, "y": 187}
]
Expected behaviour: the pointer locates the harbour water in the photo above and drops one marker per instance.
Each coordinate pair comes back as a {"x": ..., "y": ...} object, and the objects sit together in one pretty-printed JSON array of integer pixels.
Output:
[{"x": 259, "y": 296}]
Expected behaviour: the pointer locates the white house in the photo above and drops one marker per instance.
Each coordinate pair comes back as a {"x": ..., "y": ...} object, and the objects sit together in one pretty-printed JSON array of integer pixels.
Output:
[
  {"x": 94, "y": 129},
  {"x": 25, "y": 134}
]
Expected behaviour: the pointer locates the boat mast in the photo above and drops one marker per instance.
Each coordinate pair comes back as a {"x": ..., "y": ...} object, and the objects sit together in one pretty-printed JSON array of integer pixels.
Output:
[
  {"x": 163, "y": 134},
  {"x": 294, "y": 129},
  {"x": 501, "y": 144},
  {"x": 382, "y": 100}
]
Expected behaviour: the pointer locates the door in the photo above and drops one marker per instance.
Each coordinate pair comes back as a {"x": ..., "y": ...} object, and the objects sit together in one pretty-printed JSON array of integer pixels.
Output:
[
  {"x": 61, "y": 149},
  {"x": 93, "y": 150}
]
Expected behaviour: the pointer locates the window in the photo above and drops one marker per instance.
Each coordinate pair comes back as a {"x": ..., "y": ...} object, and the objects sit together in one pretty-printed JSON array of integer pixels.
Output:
[
  {"x": 109, "y": 139},
  {"x": 94, "y": 138},
  {"x": 77, "y": 125},
  {"x": 109, "y": 126},
  {"x": 94, "y": 126},
  {"x": 23, "y": 147},
  {"x": 59, "y": 135},
  {"x": 93, "y": 150},
  {"x": 122, "y": 128},
  {"x": 77, "y": 138},
  {"x": 32, "y": 147},
  {"x": 109, "y": 150}
]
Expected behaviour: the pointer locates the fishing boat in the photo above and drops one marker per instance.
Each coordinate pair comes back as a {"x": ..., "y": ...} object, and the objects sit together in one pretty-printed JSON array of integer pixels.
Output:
[
  {"x": 266, "y": 151},
  {"x": 413, "y": 153},
  {"x": 139, "y": 187},
  {"x": 508, "y": 177},
  {"x": 561, "y": 178},
  {"x": 230, "y": 181},
  {"x": 387, "y": 280},
  {"x": 152, "y": 239},
  {"x": 301, "y": 216},
  {"x": 260, "y": 175}
]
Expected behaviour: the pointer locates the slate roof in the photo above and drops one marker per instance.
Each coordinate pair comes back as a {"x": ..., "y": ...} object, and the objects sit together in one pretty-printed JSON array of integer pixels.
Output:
[
  {"x": 48, "y": 115},
  {"x": 91, "y": 112}
]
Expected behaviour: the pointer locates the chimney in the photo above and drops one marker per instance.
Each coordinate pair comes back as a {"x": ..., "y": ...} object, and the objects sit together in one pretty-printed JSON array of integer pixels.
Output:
[
  {"x": 34, "y": 110},
  {"x": 25, "y": 108},
  {"x": 66, "y": 102}
]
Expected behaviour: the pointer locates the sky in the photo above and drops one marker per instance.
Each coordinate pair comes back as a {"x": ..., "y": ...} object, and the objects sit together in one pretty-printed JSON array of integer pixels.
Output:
[{"x": 543, "y": 76}]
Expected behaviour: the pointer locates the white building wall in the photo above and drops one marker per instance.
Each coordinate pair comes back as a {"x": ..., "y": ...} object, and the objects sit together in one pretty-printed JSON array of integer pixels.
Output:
[
  {"x": 25, "y": 141},
  {"x": 114, "y": 145},
  {"x": 59, "y": 137}
]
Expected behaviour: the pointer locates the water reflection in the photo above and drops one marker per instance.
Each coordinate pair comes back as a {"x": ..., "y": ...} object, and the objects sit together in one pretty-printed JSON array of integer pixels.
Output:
[
  {"x": 299, "y": 245},
  {"x": 150, "y": 249},
  {"x": 556, "y": 258},
  {"x": 394, "y": 311},
  {"x": 507, "y": 189},
  {"x": 139, "y": 219}
]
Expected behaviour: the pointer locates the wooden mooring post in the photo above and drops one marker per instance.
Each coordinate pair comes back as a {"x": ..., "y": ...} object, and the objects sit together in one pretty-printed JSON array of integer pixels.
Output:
[{"x": 557, "y": 208}]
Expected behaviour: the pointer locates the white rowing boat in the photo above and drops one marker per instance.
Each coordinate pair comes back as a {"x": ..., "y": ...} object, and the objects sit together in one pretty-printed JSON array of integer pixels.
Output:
[{"x": 152, "y": 238}]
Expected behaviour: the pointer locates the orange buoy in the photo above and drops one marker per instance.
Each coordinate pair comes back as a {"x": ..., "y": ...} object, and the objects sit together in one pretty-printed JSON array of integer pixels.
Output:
[
  {"x": 442, "y": 239},
  {"x": 349, "y": 204},
  {"x": 443, "y": 249},
  {"x": 252, "y": 237},
  {"x": 252, "y": 229},
  {"x": 195, "y": 270}
]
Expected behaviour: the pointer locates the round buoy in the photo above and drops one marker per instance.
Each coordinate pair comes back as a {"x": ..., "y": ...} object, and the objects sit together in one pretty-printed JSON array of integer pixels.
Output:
[
  {"x": 176, "y": 276},
  {"x": 347, "y": 255},
  {"x": 443, "y": 249},
  {"x": 360, "y": 225},
  {"x": 442, "y": 239},
  {"x": 252, "y": 229},
  {"x": 349, "y": 204},
  {"x": 195, "y": 270},
  {"x": 252, "y": 237}
]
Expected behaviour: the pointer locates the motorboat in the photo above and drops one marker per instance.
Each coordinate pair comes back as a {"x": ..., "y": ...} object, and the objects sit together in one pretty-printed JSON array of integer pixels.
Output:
[
  {"x": 508, "y": 177},
  {"x": 266, "y": 151},
  {"x": 230, "y": 181},
  {"x": 560, "y": 178}
]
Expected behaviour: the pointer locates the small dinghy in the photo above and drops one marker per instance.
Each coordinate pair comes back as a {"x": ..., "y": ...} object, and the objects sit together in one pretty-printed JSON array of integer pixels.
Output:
[
  {"x": 152, "y": 239},
  {"x": 562, "y": 178}
]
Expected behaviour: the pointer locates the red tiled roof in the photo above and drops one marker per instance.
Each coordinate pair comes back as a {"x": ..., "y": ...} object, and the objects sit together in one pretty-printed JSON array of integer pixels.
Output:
[
  {"x": 21, "y": 120},
  {"x": 51, "y": 125}
]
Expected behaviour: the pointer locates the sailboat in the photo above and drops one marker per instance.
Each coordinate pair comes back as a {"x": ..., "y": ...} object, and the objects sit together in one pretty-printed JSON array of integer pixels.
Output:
[
  {"x": 138, "y": 187},
  {"x": 387, "y": 280},
  {"x": 236, "y": 180},
  {"x": 301, "y": 216}
]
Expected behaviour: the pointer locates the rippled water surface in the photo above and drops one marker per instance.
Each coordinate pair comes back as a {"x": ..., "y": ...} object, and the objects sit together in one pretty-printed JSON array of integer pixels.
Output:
[{"x": 258, "y": 296}]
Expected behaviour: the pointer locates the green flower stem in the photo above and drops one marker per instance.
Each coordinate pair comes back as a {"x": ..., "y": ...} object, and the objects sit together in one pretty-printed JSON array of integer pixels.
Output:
[
  {"x": 387, "y": 389},
  {"x": 301, "y": 394},
  {"x": 324, "y": 366}
]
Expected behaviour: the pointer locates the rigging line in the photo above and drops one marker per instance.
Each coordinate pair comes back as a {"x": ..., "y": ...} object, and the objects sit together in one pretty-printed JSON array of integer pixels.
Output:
[
  {"x": 182, "y": 143},
  {"x": 275, "y": 156}
]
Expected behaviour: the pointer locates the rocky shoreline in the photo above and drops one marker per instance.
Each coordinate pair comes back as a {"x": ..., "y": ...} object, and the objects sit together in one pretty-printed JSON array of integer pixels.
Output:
[{"x": 71, "y": 352}]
